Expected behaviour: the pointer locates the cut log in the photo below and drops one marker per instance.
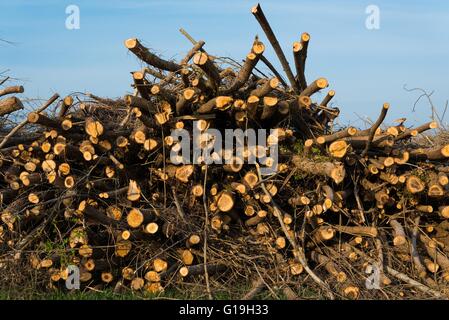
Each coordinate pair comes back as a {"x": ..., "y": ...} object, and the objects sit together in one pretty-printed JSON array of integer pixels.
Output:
[
  {"x": 225, "y": 201},
  {"x": 335, "y": 171},
  {"x": 398, "y": 233},
  {"x": 203, "y": 60},
  {"x": 251, "y": 179},
  {"x": 10, "y": 105},
  {"x": 266, "y": 88},
  {"x": 145, "y": 55},
  {"x": 133, "y": 193},
  {"x": 338, "y": 149},
  {"x": 260, "y": 16},
  {"x": 134, "y": 218},
  {"x": 251, "y": 60},
  {"x": 34, "y": 117},
  {"x": 315, "y": 86},
  {"x": 11, "y": 90},
  {"x": 414, "y": 184}
]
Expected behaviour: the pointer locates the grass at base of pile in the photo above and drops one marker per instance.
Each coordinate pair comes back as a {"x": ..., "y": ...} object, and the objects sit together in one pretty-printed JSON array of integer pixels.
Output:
[{"x": 129, "y": 295}]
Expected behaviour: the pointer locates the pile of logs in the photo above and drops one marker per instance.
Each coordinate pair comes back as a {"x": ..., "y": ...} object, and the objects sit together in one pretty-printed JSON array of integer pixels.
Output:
[{"x": 92, "y": 185}]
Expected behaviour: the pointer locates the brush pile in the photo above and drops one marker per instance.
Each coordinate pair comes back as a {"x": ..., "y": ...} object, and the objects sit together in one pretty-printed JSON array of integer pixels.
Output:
[{"x": 349, "y": 213}]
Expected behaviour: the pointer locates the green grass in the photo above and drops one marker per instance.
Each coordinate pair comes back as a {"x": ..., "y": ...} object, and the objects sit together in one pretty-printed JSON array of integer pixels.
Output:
[
  {"x": 59, "y": 295},
  {"x": 128, "y": 295},
  {"x": 85, "y": 295}
]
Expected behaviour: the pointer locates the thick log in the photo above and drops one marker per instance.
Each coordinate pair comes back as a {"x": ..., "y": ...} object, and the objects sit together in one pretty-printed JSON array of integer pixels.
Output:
[
  {"x": 266, "y": 88},
  {"x": 202, "y": 60},
  {"x": 145, "y": 55},
  {"x": 350, "y": 131},
  {"x": 438, "y": 153},
  {"x": 314, "y": 87},
  {"x": 141, "y": 84},
  {"x": 300, "y": 56},
  {"x": 140, "y": 103},
  {"x": 11, "y": 90},
  {"x": 327, "y": 98},
  {"x": 333, "y": 170},
  {"x": 34, "y": 117},
  {"x": 251, "y": 60},
  {"x": 10, "y": 105}
]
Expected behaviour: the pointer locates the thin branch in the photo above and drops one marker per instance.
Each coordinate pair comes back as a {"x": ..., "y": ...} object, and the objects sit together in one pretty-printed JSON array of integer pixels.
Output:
[
  {"x": 374, "y": 127},
  {"x": 260, "y": 17},
  {"x": 206, "y": 224},
  {"x": 297, "y": 251},
  {"x": 25, "y": 122}
]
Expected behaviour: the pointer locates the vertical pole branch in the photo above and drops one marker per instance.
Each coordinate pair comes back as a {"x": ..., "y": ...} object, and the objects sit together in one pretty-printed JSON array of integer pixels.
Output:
[
  {"x": 376, "y": 125},
  {"x": 260, "y": 16}
]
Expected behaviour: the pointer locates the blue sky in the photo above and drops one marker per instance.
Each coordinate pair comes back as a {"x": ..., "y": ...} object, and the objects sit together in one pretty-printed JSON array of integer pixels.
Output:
[{"x": 365, "y": 67}]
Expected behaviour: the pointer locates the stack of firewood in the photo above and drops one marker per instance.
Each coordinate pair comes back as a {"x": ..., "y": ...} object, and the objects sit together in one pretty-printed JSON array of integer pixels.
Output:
[{"x": 93, "y": 185}]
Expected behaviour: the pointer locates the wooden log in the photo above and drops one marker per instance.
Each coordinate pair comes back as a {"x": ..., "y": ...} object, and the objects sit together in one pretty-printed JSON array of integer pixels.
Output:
[
  {"x": 434, "y": 189},
  {"x": 225, "y": 201},
  {"x": 250, "y": 179},
  {"x": 133, "y": 192},
  {"x": 314, "y": 87},
  {"x": 438, "y": 153},
  {"x": 135, "y": 218},
  {"x": 414, "y": 184},
  {"x": 34, "y": 117},
  {"x": 242, "y": 77},
  {"x": 98, "y": 216},
  {"x": 10, "y": 105},
  {"x": 350, "y": 131},
  {"x": 64, "y": 107},
  {"x": 184, "y": 173},
  {"x": 333, "y": 170},
  {"x": 199, "y": 269},
  {"x": 220, "y": 103},
  {"x": 323, "y": 234},
  {"x": 202, "y": 60},
  {"x": 359, "y": 142},
  {"x": 327, "y": 98},
  {"x": 414, "y": 132},
  {"x": 374, "y": 128},
  {"x": 145, "y": 55},
  {"x": 25, "y": 122},
  {"x": 141, "y": 84},
  {"x": 330, "y": 266},
  {"x": 398, "y": 233},
  {"x": 438, "y": 257},
  {"x": 266, "y": 88},
  {"x": 234, "y": 165},
  {"x": 11, "y": 90},
  {"x": 137, "y": 284},
  {"x": 269, "y": 108},
  {"x": 358, "y": 230},
  {"x": 260, "y": 17},
  {"x": 141, "y": 103},
  {"x": 122, "y": 248},
  {"x": 308, "y": 146},
  {"x": 93, "y": 128},
  {"x": 338, "y": 149},
  {"x": 300, "y": 56},
  {"x": 444, "y": 211}
]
